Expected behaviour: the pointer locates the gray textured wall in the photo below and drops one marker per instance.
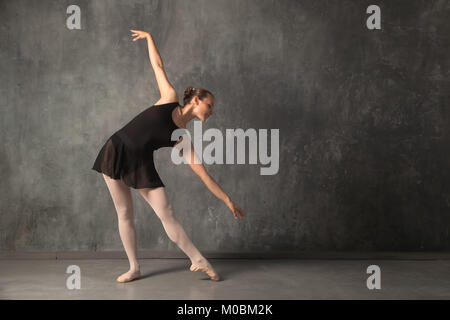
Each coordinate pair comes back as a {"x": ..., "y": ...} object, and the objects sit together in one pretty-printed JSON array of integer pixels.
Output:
[{"x": 363, "y": 116}]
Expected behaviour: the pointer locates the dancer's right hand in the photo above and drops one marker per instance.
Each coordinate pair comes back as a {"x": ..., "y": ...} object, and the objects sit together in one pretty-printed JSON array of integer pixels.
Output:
[{"x": 236, "y": 210}]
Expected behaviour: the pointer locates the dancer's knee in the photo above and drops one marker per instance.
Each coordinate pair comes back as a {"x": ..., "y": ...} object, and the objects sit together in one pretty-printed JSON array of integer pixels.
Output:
[
  {"x": 125, "y": 214},
  {"x": 165, "y": 213}
]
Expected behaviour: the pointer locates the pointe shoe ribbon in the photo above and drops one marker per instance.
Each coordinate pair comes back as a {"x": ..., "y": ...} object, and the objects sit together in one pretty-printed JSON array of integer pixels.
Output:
[{"x": 210, "y": 272}]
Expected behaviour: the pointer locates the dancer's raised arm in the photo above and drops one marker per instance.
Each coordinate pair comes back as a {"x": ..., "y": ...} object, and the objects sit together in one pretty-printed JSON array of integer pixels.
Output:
[{"x": 166, "y": 89}]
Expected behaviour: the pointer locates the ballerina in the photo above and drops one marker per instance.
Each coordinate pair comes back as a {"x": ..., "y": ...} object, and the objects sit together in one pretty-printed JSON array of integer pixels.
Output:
[{"x": 126, "y": 161}]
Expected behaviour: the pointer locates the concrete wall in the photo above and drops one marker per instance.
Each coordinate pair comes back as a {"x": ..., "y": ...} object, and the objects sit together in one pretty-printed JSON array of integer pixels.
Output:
[{"x": 363, "y": 118}]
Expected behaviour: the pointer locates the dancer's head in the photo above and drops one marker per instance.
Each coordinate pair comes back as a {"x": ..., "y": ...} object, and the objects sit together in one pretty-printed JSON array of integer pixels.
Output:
[{"x": 202, "y": 101}]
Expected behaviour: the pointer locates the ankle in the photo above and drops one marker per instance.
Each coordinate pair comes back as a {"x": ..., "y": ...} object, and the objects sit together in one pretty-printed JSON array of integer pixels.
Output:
[
  {"x": 135, "y": 268},
  {"x": 200, "y": 261}
]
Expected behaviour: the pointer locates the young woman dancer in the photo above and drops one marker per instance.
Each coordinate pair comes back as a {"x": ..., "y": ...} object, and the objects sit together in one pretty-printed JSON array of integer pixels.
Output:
[{"x": 126, "y": 160}]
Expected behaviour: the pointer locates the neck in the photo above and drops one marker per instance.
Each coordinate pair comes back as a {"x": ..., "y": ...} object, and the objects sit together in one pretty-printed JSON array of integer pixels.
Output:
[{"x": 185, "y": 114}]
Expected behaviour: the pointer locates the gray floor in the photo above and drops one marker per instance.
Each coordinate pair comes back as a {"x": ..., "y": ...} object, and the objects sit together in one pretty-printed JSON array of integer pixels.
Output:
[{"x": 242, "y": 279}]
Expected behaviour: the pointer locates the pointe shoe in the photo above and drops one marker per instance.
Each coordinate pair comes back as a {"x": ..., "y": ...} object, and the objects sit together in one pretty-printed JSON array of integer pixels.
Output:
[
  {"x": 210, "y": 272},
  {"x": 128, "y": 276}
]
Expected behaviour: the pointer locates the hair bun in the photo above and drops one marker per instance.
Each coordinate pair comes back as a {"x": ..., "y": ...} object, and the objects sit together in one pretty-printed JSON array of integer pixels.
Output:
[{"x": 191, "y": 92}]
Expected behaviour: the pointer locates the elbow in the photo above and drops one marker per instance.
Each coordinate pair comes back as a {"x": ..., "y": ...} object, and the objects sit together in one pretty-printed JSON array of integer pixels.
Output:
[
  {"x": 158, "y": 62},
  {"x": 157, "y": 65}
]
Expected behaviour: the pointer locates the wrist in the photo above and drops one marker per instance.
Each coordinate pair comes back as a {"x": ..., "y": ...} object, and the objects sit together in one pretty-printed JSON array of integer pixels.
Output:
[{"x": 227, "y": 200}]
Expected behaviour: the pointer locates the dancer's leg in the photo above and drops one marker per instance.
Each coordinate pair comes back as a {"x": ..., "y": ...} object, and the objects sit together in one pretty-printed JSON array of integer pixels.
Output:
[
  {"x": 123, "y": 203},
  {"x": 157, "y": 198}
]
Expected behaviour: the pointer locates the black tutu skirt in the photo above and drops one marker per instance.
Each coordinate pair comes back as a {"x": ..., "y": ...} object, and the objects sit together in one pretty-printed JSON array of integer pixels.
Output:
[{"x": 135, "y": 168}]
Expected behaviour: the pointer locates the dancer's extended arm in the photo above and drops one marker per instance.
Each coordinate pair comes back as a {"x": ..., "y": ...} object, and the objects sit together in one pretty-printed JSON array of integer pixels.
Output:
[{"x": 200, "y": 170}]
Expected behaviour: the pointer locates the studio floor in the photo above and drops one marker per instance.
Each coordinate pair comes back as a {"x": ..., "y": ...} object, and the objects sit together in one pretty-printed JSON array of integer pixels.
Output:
[{"x": 241, "y": 279}]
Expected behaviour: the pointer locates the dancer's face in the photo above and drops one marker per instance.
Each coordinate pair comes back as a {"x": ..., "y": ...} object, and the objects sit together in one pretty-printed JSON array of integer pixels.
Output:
[{"x": 205, "y": 107}]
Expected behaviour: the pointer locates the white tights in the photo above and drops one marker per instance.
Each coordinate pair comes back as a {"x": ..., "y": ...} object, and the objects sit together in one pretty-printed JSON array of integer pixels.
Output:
[{"x": 157, "y": 198}]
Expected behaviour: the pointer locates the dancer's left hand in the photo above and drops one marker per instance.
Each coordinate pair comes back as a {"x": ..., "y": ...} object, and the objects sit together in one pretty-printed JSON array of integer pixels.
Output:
[{"x": 236, "y": 210}]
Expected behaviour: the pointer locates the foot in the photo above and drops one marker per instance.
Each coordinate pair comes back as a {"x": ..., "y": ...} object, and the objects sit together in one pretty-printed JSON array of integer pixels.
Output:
[
  {"x": 204, "y": 266},
  {"x": 129, "y": 276}
]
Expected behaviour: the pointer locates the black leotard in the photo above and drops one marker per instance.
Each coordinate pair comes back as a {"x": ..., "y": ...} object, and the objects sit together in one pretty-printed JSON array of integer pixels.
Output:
[{"x": 128, "y": 153}]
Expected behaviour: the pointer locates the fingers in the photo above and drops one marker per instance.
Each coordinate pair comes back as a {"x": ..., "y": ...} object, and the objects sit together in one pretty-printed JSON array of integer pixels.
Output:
[
  {"x": 137, "y": 34},
  {"x": 238, "y": 211}
]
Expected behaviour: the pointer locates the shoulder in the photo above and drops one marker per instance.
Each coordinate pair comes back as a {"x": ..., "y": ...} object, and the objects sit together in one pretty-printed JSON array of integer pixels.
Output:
[{"x": 170, "y": 98}]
